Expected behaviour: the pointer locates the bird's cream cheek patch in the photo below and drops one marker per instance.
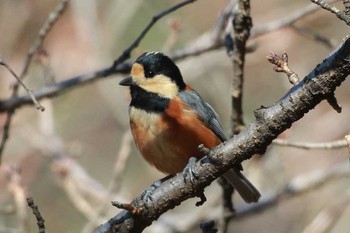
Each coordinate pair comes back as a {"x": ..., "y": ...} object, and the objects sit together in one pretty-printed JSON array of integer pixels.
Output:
[{"x": 137, "y": 71}]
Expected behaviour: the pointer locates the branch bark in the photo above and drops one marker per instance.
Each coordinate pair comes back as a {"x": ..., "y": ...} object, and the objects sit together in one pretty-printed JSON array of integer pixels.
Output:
[{"x": 269, "y": 122}]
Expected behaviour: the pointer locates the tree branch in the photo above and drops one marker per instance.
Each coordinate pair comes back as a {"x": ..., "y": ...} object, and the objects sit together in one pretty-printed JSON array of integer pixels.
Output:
[
  {"x": 39, "y": 218},
  {"x": 49, "y": 23},
  {"x": 339, "y": 144},
  {"x": 269, "y": 122},
  {"x": 342, "y": 15},
  {"x": 241, "y": 23},
  {"x": 198, "y": 48},
  {"x": 126, "y": 53},
  {"x": 29, "y": 91}
]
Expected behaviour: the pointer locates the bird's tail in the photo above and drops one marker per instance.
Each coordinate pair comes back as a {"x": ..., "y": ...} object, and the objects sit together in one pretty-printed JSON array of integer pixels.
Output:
[{"x": 243, "y": 186}]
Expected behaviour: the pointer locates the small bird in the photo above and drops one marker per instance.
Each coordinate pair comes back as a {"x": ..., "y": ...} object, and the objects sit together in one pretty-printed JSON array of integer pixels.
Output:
[{"x": 169, "y": 120}]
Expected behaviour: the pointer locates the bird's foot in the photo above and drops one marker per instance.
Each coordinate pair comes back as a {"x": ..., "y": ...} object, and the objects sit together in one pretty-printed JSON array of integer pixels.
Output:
[
  {"x": 189, "y": 172},
  {"x": 147, "y": 194}
]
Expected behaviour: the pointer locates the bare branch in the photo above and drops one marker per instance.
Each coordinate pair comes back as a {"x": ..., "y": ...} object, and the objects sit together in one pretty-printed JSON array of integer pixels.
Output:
[
  {"x": 202, "y": 45},
  {"x": 242, "y": 23},
  {"x": 39, "y": 218},
  {"x": 333, "y": 102},
  {"x": 126, "y": 53},
  {"x": 29, "y": 91},
  {"x": 340, "y": 14},
  {"x": 281, "y": 63},
  {"x": 44, "y": 31},
  {"x": 295, "y": 187},
  {"x": 329, "y": 43},
  {"x": 49, "y": 23},
  {"x": 270, "y": 121},
  {"x": 119, "y": 167},
  {"x": 325, "y": 220},
  {"x": 308, "y": 145},
  {"x": 122, "y": 158}
]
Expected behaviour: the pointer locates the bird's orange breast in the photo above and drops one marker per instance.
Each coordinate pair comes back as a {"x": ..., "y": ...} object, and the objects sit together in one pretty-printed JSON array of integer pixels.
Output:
[{"x": 167, "y": 140}]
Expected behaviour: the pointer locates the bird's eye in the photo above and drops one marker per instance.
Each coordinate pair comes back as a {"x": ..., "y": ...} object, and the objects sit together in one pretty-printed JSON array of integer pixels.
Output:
[{"x": 149, "y": 74}]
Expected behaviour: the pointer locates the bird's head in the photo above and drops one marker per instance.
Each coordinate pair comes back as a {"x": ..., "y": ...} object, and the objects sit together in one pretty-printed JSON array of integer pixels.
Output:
[{"x": 156, "y": 73}]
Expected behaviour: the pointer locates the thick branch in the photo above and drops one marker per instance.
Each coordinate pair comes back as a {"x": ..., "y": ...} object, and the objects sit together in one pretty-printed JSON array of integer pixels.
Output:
[{"x": 270, "y": 122}]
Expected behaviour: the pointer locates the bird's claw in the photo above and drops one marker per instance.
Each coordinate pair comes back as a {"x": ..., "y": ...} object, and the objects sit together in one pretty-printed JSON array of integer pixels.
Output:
[
  {"x": 188, "y": 172},
  {"x": 147, "y": 194}
]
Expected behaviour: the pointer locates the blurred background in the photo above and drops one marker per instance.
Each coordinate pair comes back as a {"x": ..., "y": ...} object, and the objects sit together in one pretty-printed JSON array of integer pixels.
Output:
[{"x": 73, "y": 158}]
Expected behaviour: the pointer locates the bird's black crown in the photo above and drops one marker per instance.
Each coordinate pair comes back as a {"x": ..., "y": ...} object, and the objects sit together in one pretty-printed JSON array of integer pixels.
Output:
[{"x": 155, "y": 63}]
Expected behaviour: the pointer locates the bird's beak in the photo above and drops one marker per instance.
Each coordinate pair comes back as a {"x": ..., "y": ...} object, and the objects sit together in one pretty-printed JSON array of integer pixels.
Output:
[{"x": 127, "y": 81}]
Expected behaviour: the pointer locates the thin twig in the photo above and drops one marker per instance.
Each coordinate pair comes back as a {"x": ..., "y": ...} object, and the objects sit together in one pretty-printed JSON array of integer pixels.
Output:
[
  {"x": 122, "y": 158},
  {"x": 119, "y": 167},
  {"x": 329, "y": 43},
  {"x": 193, "y": 49},
  {"x": 49, "y": 23},
  {"x": 339, "y": 144},
  {"x": 222, "y": 22},
  {"x": 175, "y": 26},
  {"x": 126, "y": 206},
  {"x": 327, "y": 218},
  {"x": 126, "y": 53},
  {"x": 295, "y": 187},
  {"x": 43, "y": 32},
  {"x": 340, "y": 14},
  {"x": 29, "y": 91},
  {"x": 39, "y": 218}
]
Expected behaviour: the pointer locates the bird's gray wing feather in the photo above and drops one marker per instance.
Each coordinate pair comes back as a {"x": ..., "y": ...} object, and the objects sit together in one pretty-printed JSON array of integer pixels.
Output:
[
  {"x": 204, "y": 110},
  {"x": 208, "y": 115}
]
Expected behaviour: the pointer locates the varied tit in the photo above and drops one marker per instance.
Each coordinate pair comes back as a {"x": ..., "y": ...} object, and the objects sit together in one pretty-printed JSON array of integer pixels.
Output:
[{"x": 169, "y": 120}]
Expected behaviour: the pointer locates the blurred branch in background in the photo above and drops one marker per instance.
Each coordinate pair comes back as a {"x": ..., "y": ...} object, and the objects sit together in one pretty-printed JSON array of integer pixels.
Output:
[
  {"x": 46, "y": 28},
  {"x": 29, "y": 91},
  {"x": 15, "y": 186},
  {"x": 327, "y": 218},
  {"x": 127, "y": 52},
  {"x": 240, "y": 23},
  {"x": 115, "y": 184},
  {"x": 299, "y": 185},
  {"x": 328, "y": 42},
  {"x": 309, "y": 145},
  {"x": 210, "y": 41}
]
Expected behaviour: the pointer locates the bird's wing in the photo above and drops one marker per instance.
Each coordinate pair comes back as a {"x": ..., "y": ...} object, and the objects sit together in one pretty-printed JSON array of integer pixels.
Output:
[{"x": 204, "y": 111}]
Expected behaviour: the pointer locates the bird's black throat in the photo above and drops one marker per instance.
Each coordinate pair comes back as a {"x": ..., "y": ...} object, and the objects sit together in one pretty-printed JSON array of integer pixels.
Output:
[{"x": 148, "y": 101}]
